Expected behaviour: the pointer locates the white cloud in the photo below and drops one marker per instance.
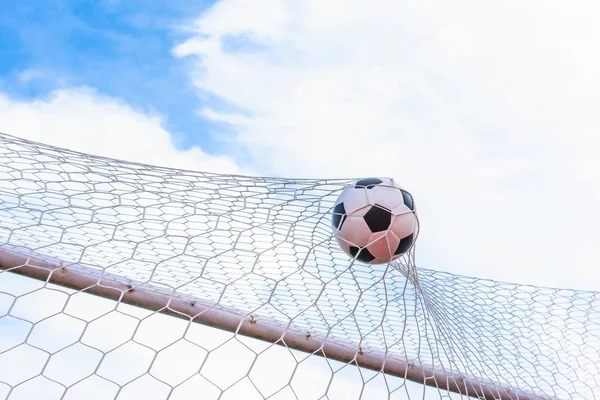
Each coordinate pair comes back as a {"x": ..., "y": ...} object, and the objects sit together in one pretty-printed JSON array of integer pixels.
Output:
[
  {"x": 29, "y": 75},
  {"x": 80, "y": 119},
  {"x": 442, "y": 97}
]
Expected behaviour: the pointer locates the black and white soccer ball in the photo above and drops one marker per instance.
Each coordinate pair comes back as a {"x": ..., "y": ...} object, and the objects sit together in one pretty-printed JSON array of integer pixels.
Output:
[{"x": 375, "y": 220}]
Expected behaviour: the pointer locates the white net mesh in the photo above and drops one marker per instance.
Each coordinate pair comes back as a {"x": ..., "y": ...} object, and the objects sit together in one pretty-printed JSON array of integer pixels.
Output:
[{"x": 137, "y": 266}]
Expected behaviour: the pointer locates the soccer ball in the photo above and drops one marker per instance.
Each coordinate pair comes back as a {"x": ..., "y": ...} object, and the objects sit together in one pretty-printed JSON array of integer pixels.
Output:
[{"x": 374, "y": 220}]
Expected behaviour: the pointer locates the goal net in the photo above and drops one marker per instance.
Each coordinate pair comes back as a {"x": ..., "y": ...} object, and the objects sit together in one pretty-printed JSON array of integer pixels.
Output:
[{"x": 127, "y": 281}]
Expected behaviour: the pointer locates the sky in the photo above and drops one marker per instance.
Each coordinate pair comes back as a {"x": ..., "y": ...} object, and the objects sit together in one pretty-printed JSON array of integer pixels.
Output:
[
  {"x": 121, "y": 49},
  {"x": 492, "y": 129},
  {"x": 486, "y": 112}
]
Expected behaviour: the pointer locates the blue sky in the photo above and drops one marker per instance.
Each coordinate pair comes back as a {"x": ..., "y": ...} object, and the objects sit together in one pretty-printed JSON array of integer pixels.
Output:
[{"x": 120, "y": 48}]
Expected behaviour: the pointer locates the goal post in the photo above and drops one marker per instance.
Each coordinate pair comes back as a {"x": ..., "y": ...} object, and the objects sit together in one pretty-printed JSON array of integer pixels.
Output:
[
  {"x": 255, "y": 257},
  {"x": 193, "y": 309}
]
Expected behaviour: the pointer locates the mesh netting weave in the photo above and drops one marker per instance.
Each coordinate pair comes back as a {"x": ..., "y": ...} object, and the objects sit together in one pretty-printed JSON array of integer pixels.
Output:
[{"x": 256, "y": 258}]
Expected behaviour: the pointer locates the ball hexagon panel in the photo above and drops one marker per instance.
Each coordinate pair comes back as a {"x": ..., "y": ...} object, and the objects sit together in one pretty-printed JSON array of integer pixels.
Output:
[
  {"x": 360, "y": 213},
  {"x": 368, "y": 183},
  {"x": 404, "y": 245},
  {"x": 405, "y": 228},
  {"x": 408, "y": 199},
  {"x": 339, "y": 216},
  {"x": 364, "y": 254},
  {"x": 378, "y": 218},
  {"x": 355, "y": 231},
  {"x": 382, "y": 246},
  {"x": 402, "y": 209},
  {"x": 353, "y": 199},
  {"x": 389, "y": 197},
  {"x": 404, "y": 225}
]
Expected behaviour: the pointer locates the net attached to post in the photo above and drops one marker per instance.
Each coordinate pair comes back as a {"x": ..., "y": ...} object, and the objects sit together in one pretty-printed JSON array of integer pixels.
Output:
[{"x": 127, "y": 281}]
